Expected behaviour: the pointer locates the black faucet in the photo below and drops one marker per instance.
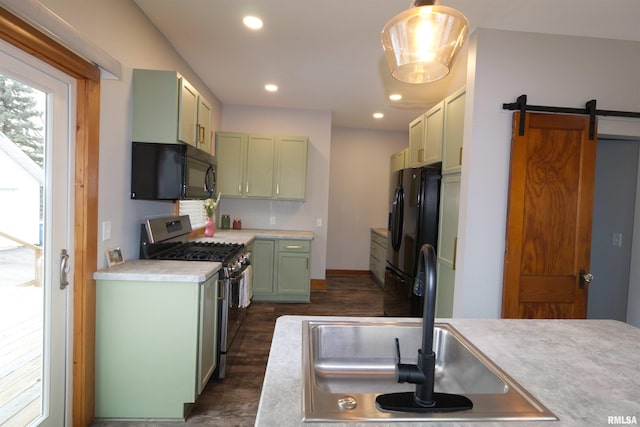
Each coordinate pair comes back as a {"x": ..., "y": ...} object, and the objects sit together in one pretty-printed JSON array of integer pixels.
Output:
[{"x": 423, "y": 373}]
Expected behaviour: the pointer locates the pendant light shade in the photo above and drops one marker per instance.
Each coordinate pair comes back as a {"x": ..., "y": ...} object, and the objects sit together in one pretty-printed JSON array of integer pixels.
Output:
[{"x": 421, "y": 43}]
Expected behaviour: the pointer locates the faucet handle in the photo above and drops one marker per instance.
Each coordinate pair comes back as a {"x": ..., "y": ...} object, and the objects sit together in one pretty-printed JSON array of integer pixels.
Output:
[{"x": 398, "y": 359}]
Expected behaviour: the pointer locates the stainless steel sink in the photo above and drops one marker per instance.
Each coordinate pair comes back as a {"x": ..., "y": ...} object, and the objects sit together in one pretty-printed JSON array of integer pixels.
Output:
[{"x": 347, "y": 364}]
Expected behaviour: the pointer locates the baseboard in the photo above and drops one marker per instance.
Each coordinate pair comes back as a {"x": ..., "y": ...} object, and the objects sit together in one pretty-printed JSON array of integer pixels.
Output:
[
  {"x": 347, "y": 272},
  {"x": 318, "y": 285}
]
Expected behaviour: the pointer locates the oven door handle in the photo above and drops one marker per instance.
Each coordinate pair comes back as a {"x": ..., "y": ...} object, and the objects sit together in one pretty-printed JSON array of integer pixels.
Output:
[{"x": 222, "y": 290}]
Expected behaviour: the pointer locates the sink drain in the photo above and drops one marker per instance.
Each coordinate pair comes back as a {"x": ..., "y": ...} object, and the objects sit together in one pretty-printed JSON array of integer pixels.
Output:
[{"x": 347, "y": 403}]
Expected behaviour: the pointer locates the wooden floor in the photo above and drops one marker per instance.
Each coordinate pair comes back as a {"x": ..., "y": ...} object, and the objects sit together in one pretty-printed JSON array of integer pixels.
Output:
[
  {"x": 21, "y": 338},
  {"x": 234, "y": 400}
]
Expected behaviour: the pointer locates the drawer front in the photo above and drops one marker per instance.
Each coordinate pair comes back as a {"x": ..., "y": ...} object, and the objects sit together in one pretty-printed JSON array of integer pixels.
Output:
[
  {"x": 378, "y": 251},
  {"x": 379, "y": 239},
  {"x": 294, "y": 245}
]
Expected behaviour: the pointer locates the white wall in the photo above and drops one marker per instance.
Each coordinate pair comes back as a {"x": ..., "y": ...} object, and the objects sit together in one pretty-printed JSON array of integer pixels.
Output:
[
  {"x": 124, "y": 32},
  {"x": 19, "y": 197},
  {"x": 290, "y": 215},
  {"x": 358, "y": 192},
  {"x": 551, "y": 70}
]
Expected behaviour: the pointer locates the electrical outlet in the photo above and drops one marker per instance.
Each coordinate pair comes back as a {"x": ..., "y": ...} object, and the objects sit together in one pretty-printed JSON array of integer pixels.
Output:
[
  {"x": 272, "y": 220},
  {"x": 106, "y": 230}
]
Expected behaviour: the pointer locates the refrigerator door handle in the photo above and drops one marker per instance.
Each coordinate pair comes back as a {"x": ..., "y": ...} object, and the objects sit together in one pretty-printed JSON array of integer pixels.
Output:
[{"x": 397, "y": 213}]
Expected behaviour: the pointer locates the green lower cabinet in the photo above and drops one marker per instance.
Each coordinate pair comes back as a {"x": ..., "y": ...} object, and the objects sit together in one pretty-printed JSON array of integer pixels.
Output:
[
  {"x": 263, "y": 268},
  {"x": 445, "y": 286},
  {"x": 155, "y": 347},
  {"x": 281, "y": 270}
]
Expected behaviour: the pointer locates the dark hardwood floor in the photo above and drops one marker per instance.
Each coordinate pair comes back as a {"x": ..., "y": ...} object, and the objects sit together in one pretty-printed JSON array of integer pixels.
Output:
[{"x": 234, "y": 400}]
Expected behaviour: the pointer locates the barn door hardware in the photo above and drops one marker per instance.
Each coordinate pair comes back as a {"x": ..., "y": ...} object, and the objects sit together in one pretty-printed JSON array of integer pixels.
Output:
[{"x": 590, "y": 110}]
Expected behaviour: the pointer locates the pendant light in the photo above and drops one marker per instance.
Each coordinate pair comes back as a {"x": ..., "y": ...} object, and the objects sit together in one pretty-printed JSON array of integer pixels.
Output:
[{"x": 421, "y": 43}]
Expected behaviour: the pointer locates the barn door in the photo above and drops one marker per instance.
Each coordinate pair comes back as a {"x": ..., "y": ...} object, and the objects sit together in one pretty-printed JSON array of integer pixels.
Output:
[{"x": 548, "y": 237}]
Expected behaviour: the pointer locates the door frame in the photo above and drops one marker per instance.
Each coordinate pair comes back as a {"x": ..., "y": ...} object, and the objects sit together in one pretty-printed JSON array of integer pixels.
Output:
[{"x": 17, "y": 32}]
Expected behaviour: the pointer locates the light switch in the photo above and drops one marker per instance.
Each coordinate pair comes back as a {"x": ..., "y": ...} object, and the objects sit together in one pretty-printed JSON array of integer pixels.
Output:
[
  {"x": 106, "y": 230},
  {"x": 319, "y": 222},
  {"x": 616, "y": 239},
  {"x": 272, "y": 220}
]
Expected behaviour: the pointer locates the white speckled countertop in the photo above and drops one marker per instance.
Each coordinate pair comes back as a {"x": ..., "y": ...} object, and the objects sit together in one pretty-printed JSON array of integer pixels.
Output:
[
  {"x": 584, "y": 371},
  {"x": 381, "y": 231},
  {"x": 247, "y": 236},
  {"x": 145, "y": 270},
  {"x": 189, "y": 271}
]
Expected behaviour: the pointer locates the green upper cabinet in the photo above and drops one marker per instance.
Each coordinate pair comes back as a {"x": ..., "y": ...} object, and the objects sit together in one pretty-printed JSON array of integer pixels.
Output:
[
  {"x": 231, "y": 153},
  {"x": 205, "y": 125},
  {"x": 436, "y": 136},
  {"x": 425, "y": 137},
  {"x": 453, "y": 132},
  {"x": 416, "y": 142},
  {"x": 259, "y": 172},
  {"x": 261, "y": 166},
  {"x": 434, "y": 121},
  {"x": 168, "y": 109},
  {"x": 291, "y": 167}
]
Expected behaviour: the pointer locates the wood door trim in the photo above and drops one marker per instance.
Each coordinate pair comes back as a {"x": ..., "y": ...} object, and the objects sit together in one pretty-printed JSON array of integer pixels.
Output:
[{"x": 24, "y": 36}]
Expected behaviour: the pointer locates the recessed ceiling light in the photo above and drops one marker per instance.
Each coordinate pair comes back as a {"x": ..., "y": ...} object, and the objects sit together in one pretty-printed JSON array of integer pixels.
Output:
[
  {"x": 252, "y": 22},
  {"x": 271, "y": 87},
  {"x": 378, "y": 115},
  {"x": 395, "y": 97}
]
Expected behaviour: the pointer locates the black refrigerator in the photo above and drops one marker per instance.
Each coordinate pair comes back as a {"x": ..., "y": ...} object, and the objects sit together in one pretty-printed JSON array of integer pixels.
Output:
[{"x": 413, "y": 221}]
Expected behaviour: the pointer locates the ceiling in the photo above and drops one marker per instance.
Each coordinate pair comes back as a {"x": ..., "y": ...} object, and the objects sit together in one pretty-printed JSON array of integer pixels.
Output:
[{"x": 327, "y": 55}]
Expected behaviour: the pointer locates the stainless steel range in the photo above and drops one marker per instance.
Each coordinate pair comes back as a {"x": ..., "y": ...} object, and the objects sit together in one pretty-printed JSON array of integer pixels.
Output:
[{"x": 168, "y": 239}]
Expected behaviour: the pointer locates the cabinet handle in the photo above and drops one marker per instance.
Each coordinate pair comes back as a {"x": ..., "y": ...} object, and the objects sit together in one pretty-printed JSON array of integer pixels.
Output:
[
  {"x": 294, "y": 247},
  {"x": 221, "y": 290},
  {"x": 277, "y": 189},
  {"x": 460, "y": 157},
  {"x": 455, "y": 251},
  {"x": 200, "y": 134},
  {"x": 240, "y": 187}
]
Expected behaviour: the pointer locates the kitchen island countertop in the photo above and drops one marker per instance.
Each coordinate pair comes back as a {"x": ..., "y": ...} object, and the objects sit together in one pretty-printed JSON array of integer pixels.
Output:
[
  {"x": 585, "y": 371},
  {"x": 149, "y": 270}
]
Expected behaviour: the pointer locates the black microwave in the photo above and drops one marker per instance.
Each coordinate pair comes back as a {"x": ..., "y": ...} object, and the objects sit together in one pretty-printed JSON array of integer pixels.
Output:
[{"x": 171, "y": 172}]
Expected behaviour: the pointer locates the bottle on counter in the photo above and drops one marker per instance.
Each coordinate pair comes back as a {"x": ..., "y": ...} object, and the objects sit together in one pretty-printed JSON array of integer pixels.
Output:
[
  {"x": 225, "y": 222},
  {"x": 237, "y": 224}
]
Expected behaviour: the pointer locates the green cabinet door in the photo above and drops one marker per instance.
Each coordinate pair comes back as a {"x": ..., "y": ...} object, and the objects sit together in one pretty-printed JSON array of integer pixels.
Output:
[
  {"x": 259, "y": 172},
  {"x": 293, "y": 275},
  {"x": 187, "y": 113},
  {"x": 262, "y": 261},
  {"x": 207, "y": 331},
  {"x": 291, "y": 167},
  {"x": 447, "y": 244},
  {"x": 433, "y": 131},
  {"x": 416, "y": 141},
  {"x": 453, "y": 132},
  {"x": 231, "y": 149},
  {"x": 155, "y": 106},
  {"x": 293, "y": 270}
]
